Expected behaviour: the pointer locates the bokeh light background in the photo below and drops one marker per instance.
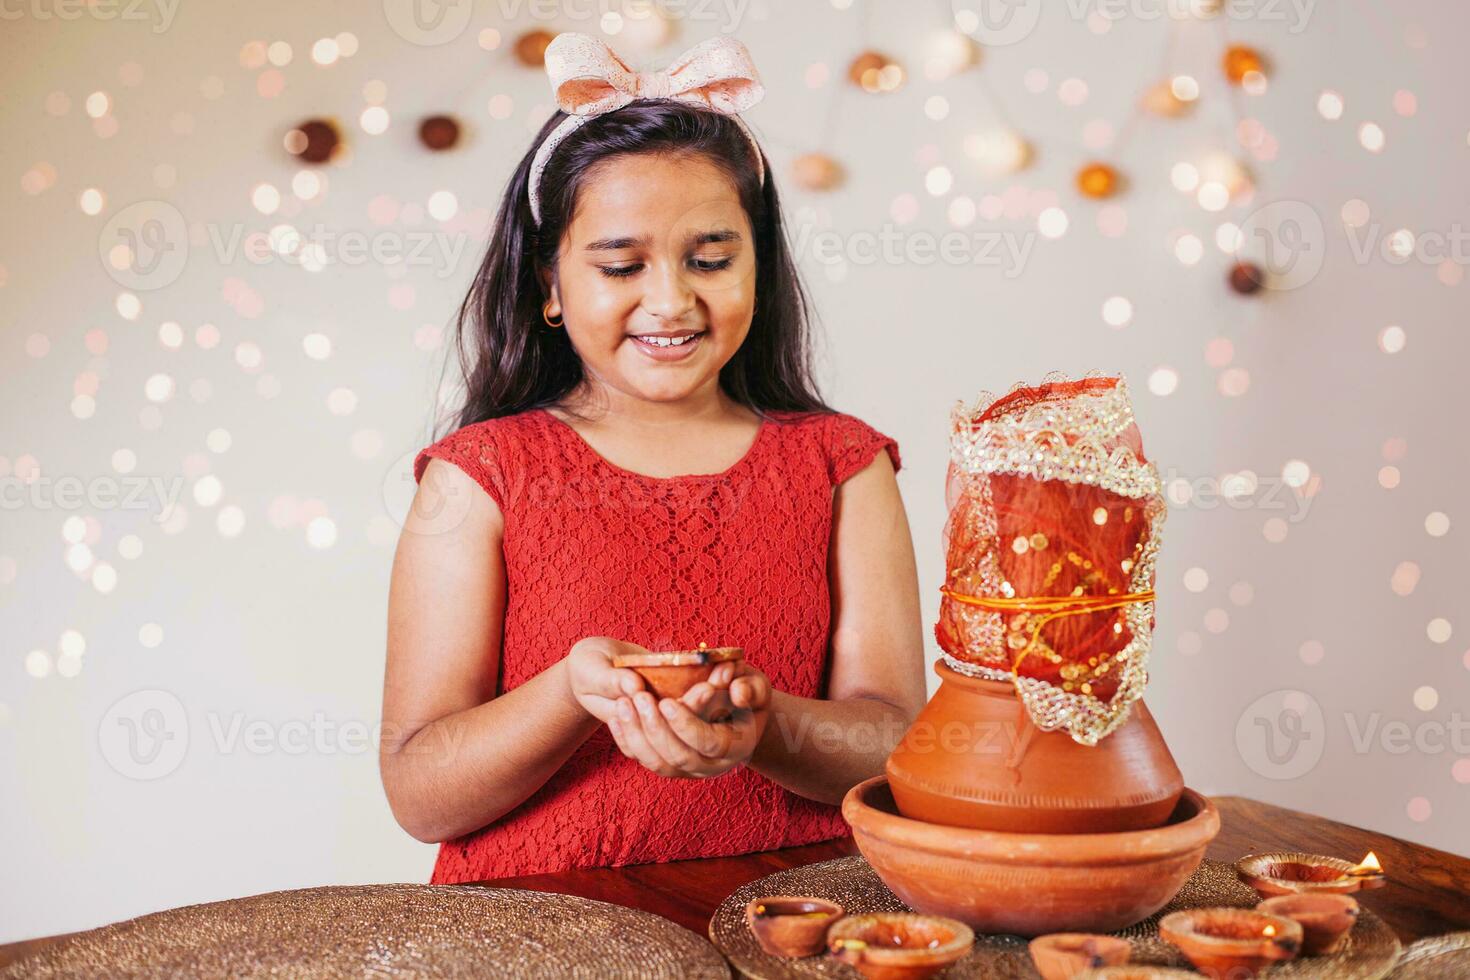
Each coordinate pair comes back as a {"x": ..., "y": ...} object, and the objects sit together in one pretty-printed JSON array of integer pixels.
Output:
[{"x": 1313, "y": 575}]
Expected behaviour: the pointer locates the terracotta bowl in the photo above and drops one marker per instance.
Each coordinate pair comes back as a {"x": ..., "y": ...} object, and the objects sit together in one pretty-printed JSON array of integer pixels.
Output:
[
  {"x": 1029, "y": 884},
  {"x": 670, "y": 674},
  {"x": 1326, "y": 920},
  {"x": 899, "y": 945},
  {"x": 791, "y": 925},
  {"x": 1230, "y": 943},
  {"x": 1063, "y": 955},
  {"x": 1295, "y": 873}
]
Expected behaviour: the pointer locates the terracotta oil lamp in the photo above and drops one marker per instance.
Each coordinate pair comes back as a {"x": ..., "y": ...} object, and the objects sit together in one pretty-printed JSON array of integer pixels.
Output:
[
  {"x": 1064, "y": 955},
  {"x": 899, "y": 945},
  {"x": 1326, "y": 920},
  {"x": 1295, "y": 873},
  {"x": 790, "y": 925},
  {"x": 1231, "y": 943},
  {"x": 670, "y": 674}
]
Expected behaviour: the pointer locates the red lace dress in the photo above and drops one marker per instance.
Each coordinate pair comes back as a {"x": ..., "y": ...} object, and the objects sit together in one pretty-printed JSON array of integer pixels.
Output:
[{"x": 591, "y": 549}]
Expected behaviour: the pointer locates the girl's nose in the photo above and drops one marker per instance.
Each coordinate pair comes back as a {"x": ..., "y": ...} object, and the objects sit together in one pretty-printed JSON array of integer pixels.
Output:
[{"x": 667, "y": 295}]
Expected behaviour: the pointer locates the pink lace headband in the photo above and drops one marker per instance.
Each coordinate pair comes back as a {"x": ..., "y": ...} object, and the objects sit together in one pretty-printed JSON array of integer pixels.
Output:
[{"x": 589, "y": 80}]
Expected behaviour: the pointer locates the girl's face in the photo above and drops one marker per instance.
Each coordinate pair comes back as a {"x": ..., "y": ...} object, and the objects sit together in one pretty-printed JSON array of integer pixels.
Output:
[{"x": 656, "y": 275}]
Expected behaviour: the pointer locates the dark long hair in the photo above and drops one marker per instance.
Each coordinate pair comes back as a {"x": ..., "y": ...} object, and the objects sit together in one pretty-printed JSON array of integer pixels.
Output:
[{"x": 511, "y": 361}]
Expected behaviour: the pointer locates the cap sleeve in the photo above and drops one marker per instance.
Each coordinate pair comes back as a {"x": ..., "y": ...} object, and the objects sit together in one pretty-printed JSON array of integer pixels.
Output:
[
  {"x": 852, "y": 444},
  {"x": 476, "y": 450}
]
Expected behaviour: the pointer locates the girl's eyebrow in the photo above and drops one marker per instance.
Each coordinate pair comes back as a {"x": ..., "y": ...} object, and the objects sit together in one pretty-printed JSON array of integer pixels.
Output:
[{"x": 699, "y": 238}]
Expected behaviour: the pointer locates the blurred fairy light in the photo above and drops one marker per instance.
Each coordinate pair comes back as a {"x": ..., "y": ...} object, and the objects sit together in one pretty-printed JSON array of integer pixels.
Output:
[
  {"x": 374, "y": 120},
  {"x": 443, "y": 205},
  {"x": 1163, "y": 381},
  {"x": 999, "y": 152},
  {"x": 91, "y": 201},
  {"x": 321, "y": 533},
  {"x": 938, "y": 181},
  {"x": 1371, "y": 136},
  {"x": 1184, "y": 87},
  {"x": 279, "y": 54},
  {"x": 128, "y": 306},
  {"x": 317, "y": 346},
  {"x": 1188, "y": 249},
  {"x": 98, "y": 104},
  {"x": 1052, "y": 222},
  {"x": 265, "y": 198},
  {"x": 1330, "y": 105},
  {"x": 325, "y": 51},
  {"x": 1184, "y": 176},
  {"x": 1117, "y": 311},
  {"x": 1229, "y": 238},
  {"x": 1391, "y": 339},
  {"x": 1295, "y": 473}
]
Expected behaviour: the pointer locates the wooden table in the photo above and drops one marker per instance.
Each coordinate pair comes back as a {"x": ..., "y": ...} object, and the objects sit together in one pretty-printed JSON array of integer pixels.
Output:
[{"x": 1428, "y": 891}]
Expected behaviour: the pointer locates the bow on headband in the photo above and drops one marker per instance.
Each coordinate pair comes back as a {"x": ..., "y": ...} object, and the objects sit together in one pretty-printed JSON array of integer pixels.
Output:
[{"x": 588, "y": 79}]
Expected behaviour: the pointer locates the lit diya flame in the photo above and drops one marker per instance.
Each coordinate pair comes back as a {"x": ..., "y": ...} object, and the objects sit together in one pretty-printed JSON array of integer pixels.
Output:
[
  {"x": 1269, "y": 931},
  {"x": 1367, "y": 867}
]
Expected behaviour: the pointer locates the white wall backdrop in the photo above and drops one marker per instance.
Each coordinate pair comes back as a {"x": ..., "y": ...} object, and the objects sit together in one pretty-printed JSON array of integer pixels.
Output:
[{"x": 187, "y": 693}]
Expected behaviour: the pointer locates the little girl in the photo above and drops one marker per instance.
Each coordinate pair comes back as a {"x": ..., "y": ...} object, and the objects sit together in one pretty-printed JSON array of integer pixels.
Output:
[{"x": 643, "y": 463}]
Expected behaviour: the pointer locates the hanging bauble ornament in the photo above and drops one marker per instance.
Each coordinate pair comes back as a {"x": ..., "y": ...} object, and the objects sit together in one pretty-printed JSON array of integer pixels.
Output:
[
  {"x": 439, "y": 133},
  {"x": 998, "y": 151},
  {"x": 1098, "y": 180},
  {"x": 817, "y": 172},
  {"x": 1160, "y": 100},
  {"x": 314, "y": 141},
  {"x": 530, "y": 48},
  {"x": 873, "y": 71},
  {"x": 1247, "y": 278},
  {"x": 1241, "y": 61}
]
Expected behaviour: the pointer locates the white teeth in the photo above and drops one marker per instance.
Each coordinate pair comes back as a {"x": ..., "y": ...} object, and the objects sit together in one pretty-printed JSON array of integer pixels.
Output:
[{"x": 668, "y": 341}]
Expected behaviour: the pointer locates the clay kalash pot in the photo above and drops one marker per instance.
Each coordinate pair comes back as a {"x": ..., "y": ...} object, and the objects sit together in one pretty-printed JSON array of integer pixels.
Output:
[
  {"x": 671, "y": 674},
  {"x": 974, "y": 758},
  {"x": 791, "y": 925},
  {"x": 1028, "y": 883}
]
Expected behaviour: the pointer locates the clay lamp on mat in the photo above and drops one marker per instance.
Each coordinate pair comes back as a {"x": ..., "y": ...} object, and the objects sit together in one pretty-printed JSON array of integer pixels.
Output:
[
  {"x": 791, "y": 925},
  {"x": 670, "y": 674},
  {"x": 899, "y": 945},
  {"x": 1064, "y": 955},
  {"x": 1231, "y": 943},
  {"x": 1138, "y": 971},
  {"x": 1295, "y": 873},
  {"x": 1326, "y": 920}
]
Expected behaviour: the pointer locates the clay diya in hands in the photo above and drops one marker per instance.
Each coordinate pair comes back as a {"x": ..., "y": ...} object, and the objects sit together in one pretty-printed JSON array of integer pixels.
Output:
[{"x": 670, "y": 674}]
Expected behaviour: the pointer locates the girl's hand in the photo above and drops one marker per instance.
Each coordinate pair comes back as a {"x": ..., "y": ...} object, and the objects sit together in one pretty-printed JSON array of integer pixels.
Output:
[
  {"x": 594, "y": 681},
  {"x": 672, "y": 740}
]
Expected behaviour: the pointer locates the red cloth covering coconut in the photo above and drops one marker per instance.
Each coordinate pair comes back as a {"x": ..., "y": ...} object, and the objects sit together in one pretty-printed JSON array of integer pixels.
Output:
[{"x": 1053, "y": 530}]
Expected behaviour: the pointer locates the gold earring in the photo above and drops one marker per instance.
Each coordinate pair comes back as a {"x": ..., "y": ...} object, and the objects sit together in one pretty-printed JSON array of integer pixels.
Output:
[{"x": 546, "y": 315}]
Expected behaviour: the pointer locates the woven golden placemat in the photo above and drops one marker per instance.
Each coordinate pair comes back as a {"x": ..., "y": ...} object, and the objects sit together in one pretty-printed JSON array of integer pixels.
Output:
[
  {"x": 386, "y": 931},
  {"x": 1371, "y": 951},
  {"x": 1436, "y": 958}
]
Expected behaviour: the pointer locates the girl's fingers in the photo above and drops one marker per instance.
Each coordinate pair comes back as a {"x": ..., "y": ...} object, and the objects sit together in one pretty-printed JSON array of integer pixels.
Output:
[
  {"x": 709, "y": 741},
  {"x": 655, "y": 728},
  {"x": 631, "y": 739},
  {"x": 626, "y": 681},
  {"x": 723, "y": 674}
]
